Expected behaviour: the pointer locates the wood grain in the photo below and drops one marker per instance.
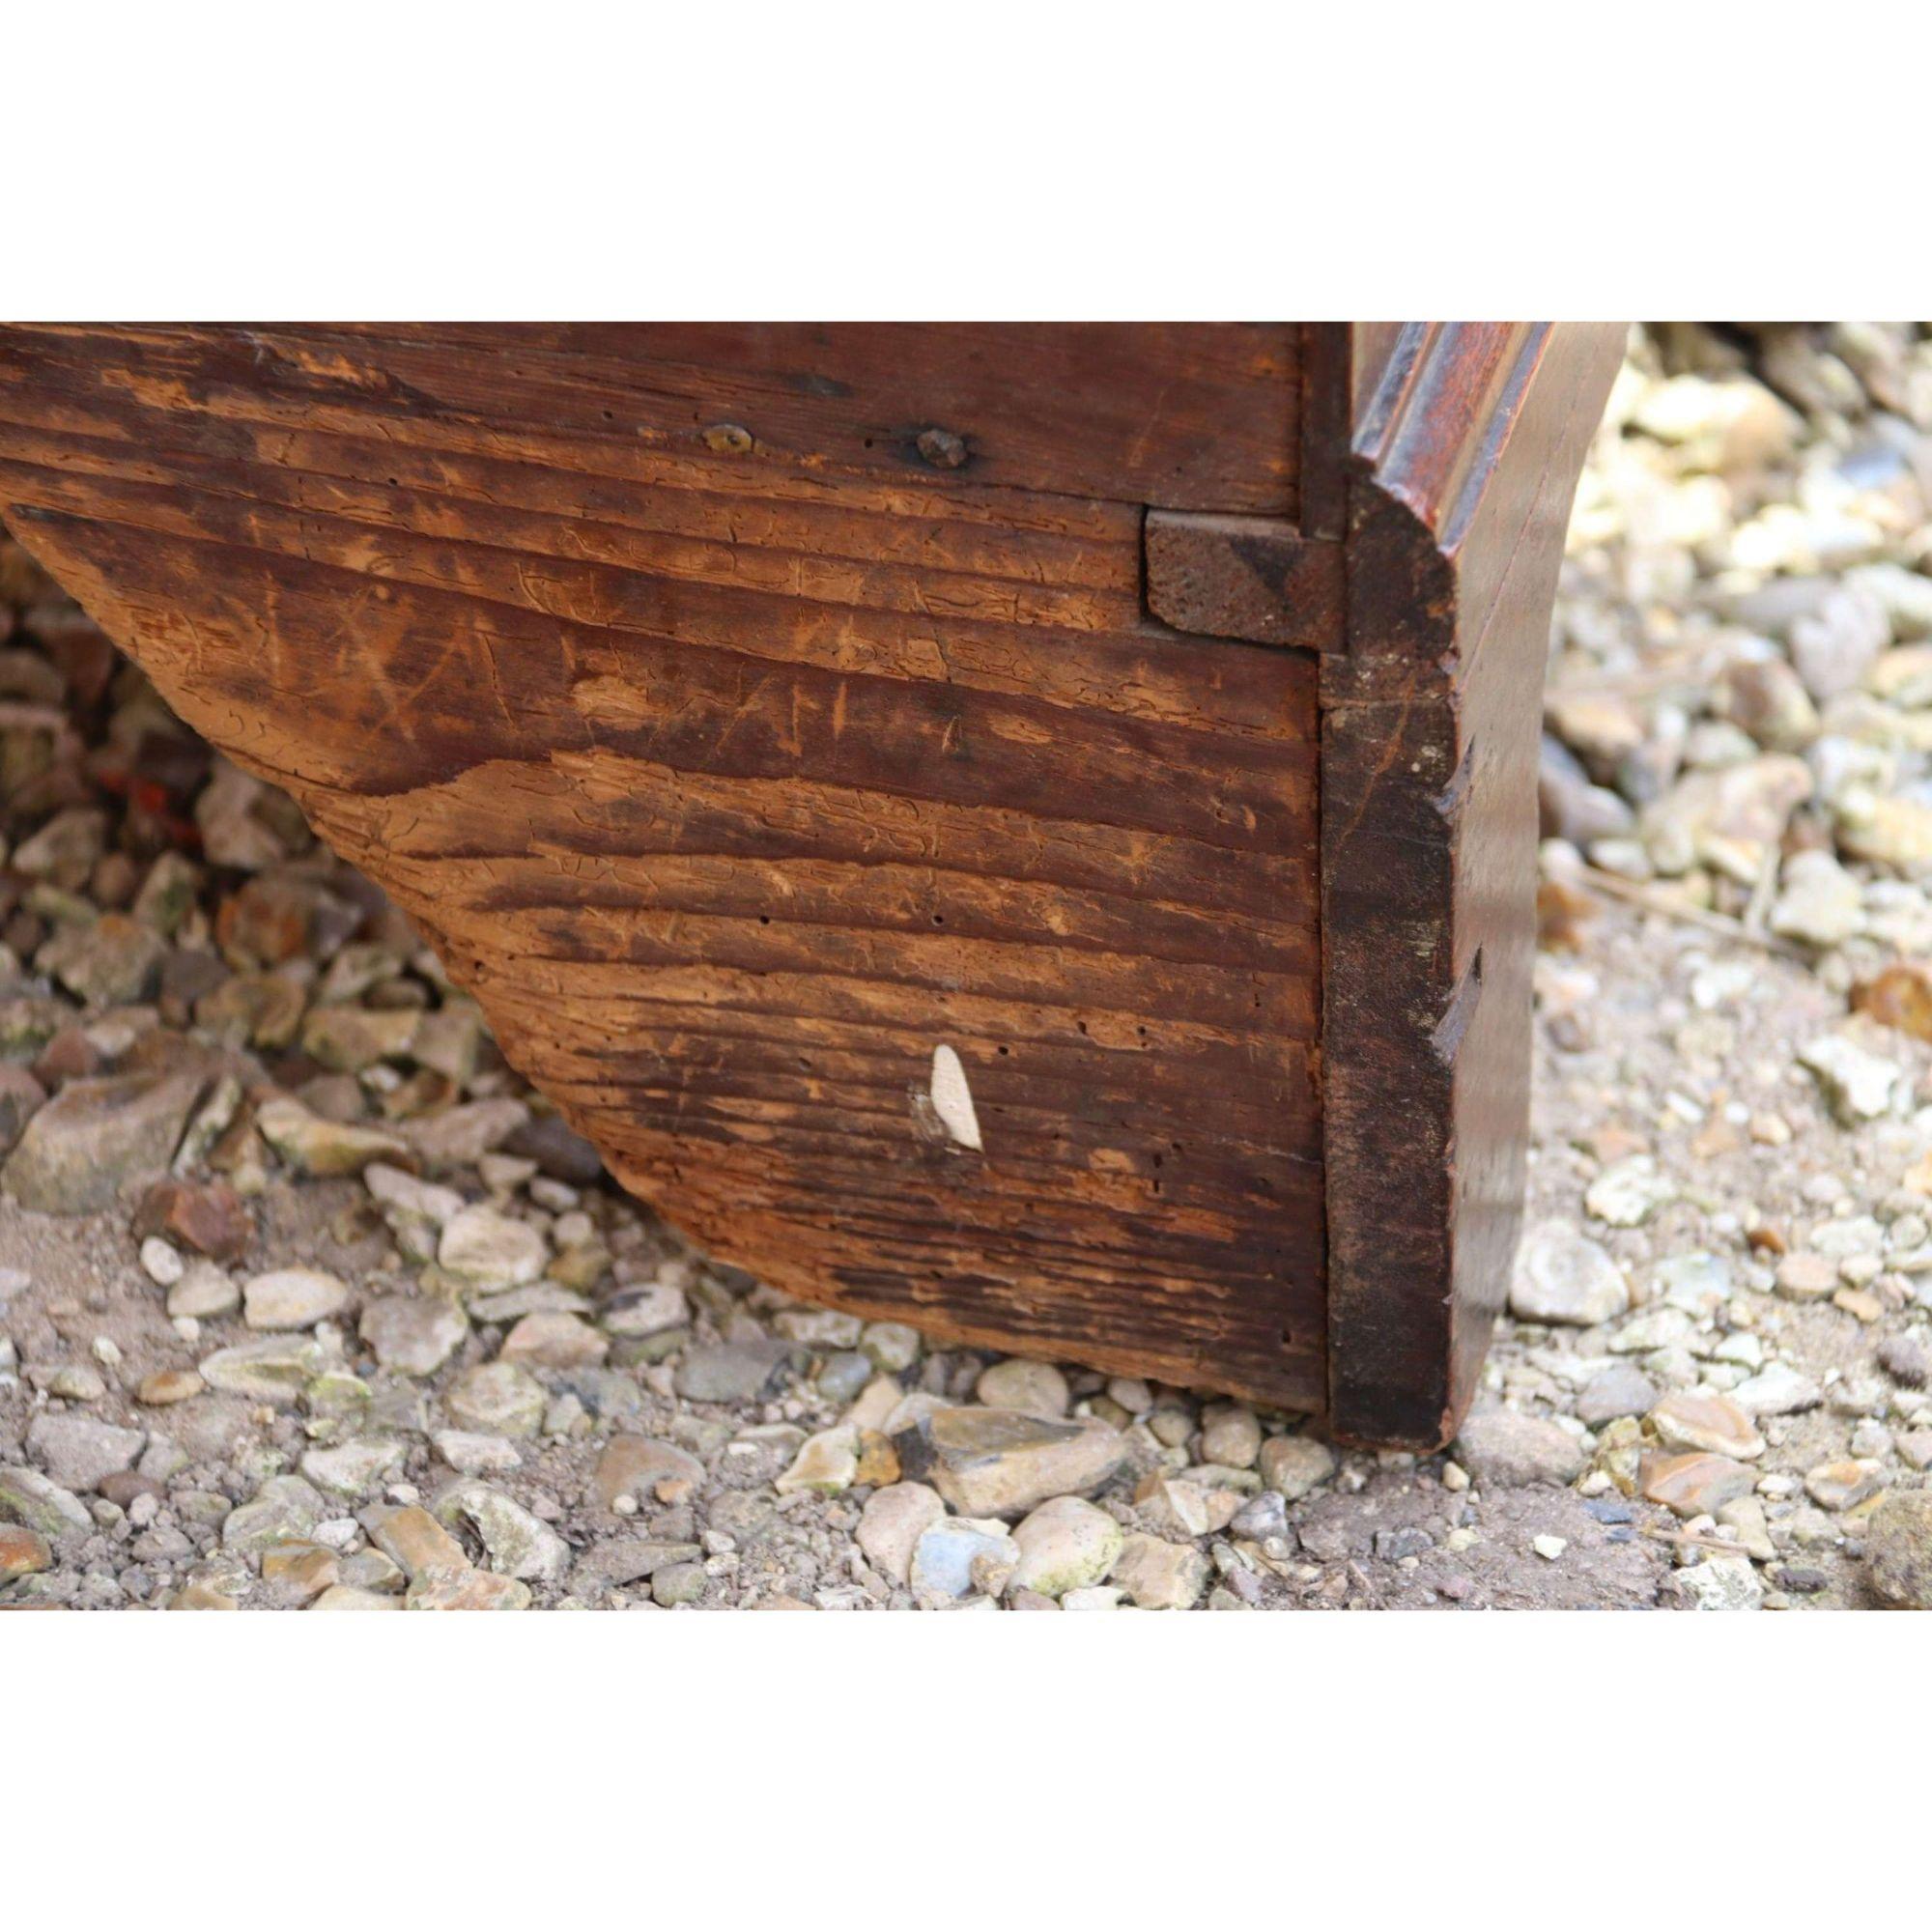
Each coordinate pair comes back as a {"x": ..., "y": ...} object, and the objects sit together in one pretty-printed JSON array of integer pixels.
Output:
[
  {"x": 1468, "y": 441},
  {"x": 735, "y": 781}
]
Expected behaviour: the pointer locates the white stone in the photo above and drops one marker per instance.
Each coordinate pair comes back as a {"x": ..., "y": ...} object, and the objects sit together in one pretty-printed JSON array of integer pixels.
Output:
[{"x": 293, "y": 1297}]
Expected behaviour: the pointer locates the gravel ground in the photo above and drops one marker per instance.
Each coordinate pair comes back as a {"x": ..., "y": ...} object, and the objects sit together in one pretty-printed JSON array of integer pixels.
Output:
[{"x": 306, "y": 1302}]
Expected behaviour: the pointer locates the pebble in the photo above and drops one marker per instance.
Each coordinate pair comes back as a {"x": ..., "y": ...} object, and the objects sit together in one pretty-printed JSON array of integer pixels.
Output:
[
  {"x": 1693, "y": 1483},
  {"x": 1161, "y": 1575},
  {"x": 413, "y": 1335},
  {"x": 97, "y": 1139},
  {"x": 1066, "y": 1544},
  {"x": 203, "y": 1294},
  {"x": 1687, "y": 1420},
  {"x": 487, "y": 1249},
  {"x": 518, "y": 1542},
  {"x": 1628, "y": 1191},
  {"x": 496, "y": 1399},
  {"x": 1563, "y": 1276},
  {"x": 79, "y": 1451},
  {"x": 1778, "y": 1389},
  {"x": 827, "y": 1463},
  {"x": 554, "y": 1341},
  {"x": 293, "y": 1297},
  {"x": 1231, "y": 1436},
  {"x": 1857, "y": 1083},
  {"x": 998, "y": 1463},
  {"x": 1840, "y": 1485},
  {"x": 1898, "y": 1550},
  {"x": 891, "y": 1524},
  {"x": 1721, "y": 1583},
  {"x": 733, "y": 1371},
  {"x": 635, "y": 1465},
  {"x": 1501, "y": 1447},
  {"x": 1294, "y": 1465},
  {"x": 1033, "y": 1388},
  {"x": 961, "y": 1554},
  {"x": 1617, "y": 1391}
]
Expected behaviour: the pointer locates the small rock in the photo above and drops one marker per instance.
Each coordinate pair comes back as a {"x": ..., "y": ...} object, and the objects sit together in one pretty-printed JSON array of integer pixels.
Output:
[
  {"x": 23, "y": 1552},
  {"x": 733, "y": 1371},
  {"x": 960, "y": 1555},
  {"x": 487, "y": 1249},
  {"x": 1294, "y": 1466},
  {"x": 1563, "y": 1276},
  {"x": 1721, "y": 1583},
  {"x": 1033, "y": 1388},
  {"x": 518, "y": 1543},
  {"x": 311, "y": 1145},
  {"x": 293, "y": 1297},
  {"x": 1694, "y": 1483},
  {"x": 355, "y": 1468},
  {"x": 1857, "y": 1083},
  {"x": 38, "y": 1503},
  {"x": 78, "y": 1451},
  {"x": 1614, "y": 1392},
  {"x": 997, "y": 1462},
  {"x": 1898, "y": 1550},
  {"x": 1778, "y": 1389},
  {"x": 1685, "y": 1420},
  {"x": 167, "y": 1387},
  {"x": 96, "y": 1138},
  {"x": 891, "y": 1524},
  {"x": 1500, "y": 1447},
  {"x": 634, "y": 1465},
  {"x": 273, "y": 1369},
  {"x": 827, "y": 1463},
  {"x": 413, "y": 1335},
  {"x": 555, "y": 1341},
  {"x": 203, "y": 1294},
  {"x": 497, "y": 1399},
  {"x": 1161, "y": 1575},
  {"x": 1066, "y": 1544},
  {"x": 1839, "y": 1486},
  {"x": 1628, "y": 1191}
]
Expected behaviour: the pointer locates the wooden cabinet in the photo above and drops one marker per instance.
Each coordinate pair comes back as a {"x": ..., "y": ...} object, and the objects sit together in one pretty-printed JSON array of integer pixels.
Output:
[{"x": 1023, "y": 829}]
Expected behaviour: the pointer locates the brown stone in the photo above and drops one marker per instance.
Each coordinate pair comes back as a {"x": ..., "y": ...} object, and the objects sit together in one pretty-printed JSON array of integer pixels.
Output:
[
  {"x": 1694, "y": 1483},
  {"x": 634, "y": 1465},
  {"x": 1901, "y": 997},
  {"x": 205, "y": 1216},
  {"x": 23, "y": 1552},
  {"x": 169, "y": 1385},
  {"x": 305, "y": 1571},
  {"x": 1711, "y": 1423}
]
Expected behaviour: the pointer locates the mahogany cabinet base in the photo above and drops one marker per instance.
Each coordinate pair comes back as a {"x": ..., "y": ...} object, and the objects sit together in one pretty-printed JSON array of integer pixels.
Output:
[{"x": 1023, "y": 830}]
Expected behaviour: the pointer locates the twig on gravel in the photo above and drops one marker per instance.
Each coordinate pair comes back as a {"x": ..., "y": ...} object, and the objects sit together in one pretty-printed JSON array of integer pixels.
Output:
[{"x": 1613, "y": 887}]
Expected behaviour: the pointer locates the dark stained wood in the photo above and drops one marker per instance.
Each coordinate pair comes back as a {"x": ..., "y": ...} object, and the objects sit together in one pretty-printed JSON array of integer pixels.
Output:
[
  {"x": 1468, "y": 443},
  {"x": 1245, "y": 577},
  {"x": 1182, "y": 415},
  {"x": 734, "y": 788},
  {"x": 1144, "y": 713}
]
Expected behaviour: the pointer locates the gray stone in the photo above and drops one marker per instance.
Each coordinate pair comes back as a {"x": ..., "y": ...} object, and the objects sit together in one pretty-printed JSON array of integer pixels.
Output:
[
  {"x": 1293, "y": 1465},
  {"x": 497, "y": 1399},
  {"x": 960, "y": 1555},
  {"x": 1618, "y": 1391},
  {"x": 355, "y": 1468},
  {"x": 272, "y": 1369},
  {"x": 1032, "y": 1388},
  {"x": 1501, "y": 1446},
  {"x": 487, "y": 1249},
  {"x": 733, "y": 1371},
  {"x": 26, "y": 1496},
  {"x": 519, "y": 1544},
  {"x": 1563, "y": 1276},
  {"x": 79, "y": 1451},
  {"x": 1858, "y": 1083},
  {"x": 1898, "y": 1550},
  {"x": 285, "y": 1509},
  {"x": 998, "y": 1463},
  {"x": 97, "y": 1139},
  {"x": 413, "y": 1335}
]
